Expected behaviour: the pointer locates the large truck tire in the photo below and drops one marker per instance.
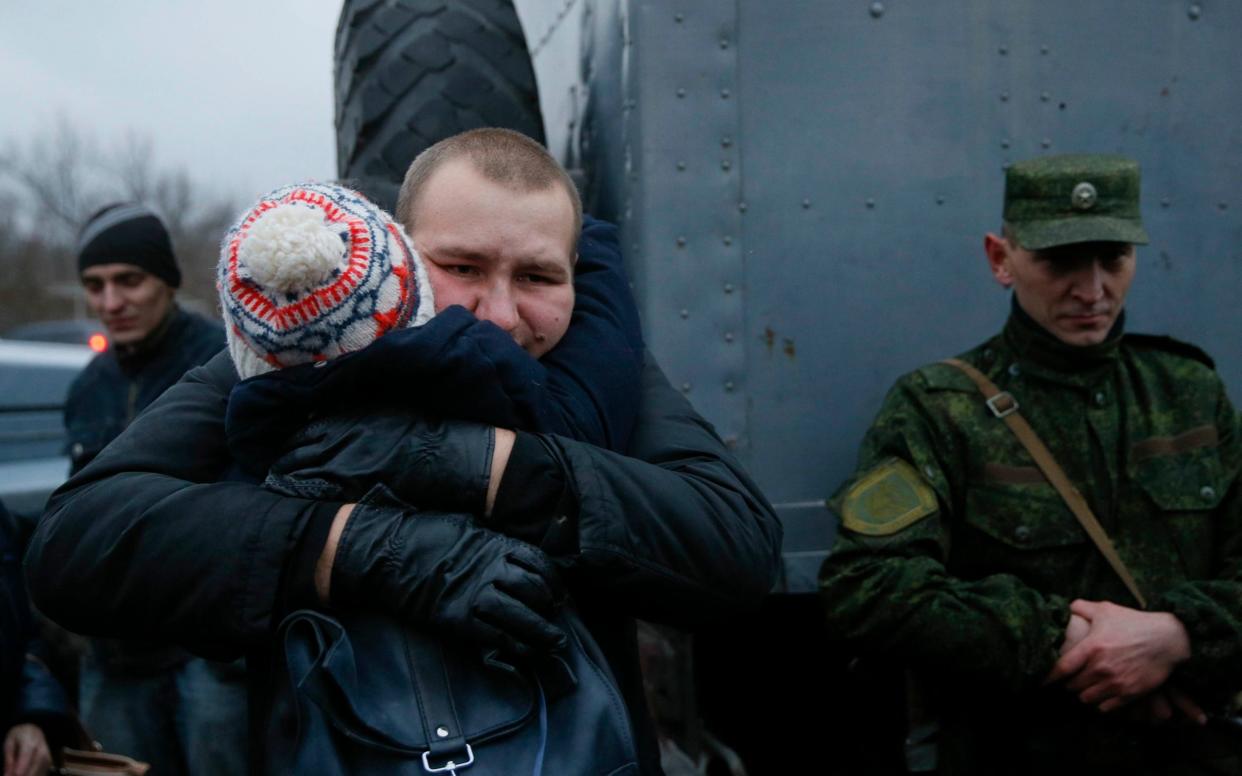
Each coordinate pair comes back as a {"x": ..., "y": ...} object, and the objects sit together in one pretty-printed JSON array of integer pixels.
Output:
[{"x": 412, "y": 72}]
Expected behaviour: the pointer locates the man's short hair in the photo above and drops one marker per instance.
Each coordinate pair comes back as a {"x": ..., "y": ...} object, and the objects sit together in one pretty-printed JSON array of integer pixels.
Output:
[{"x": 502, "y": 156}]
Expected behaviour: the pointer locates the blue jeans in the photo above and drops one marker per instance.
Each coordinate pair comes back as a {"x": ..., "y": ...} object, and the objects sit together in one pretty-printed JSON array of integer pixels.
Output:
[{"x": 187, "y": 721}]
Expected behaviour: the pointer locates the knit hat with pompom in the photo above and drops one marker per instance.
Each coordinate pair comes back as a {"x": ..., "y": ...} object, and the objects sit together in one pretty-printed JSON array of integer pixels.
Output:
[{"x": 314, "y": 271}]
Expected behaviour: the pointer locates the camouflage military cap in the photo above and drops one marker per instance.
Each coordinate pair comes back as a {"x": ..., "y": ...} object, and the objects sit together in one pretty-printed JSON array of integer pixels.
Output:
[{"x": 1058, "y": 200}]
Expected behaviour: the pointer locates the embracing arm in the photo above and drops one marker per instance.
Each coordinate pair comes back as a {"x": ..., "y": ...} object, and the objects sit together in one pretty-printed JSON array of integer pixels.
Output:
[
  {"x": 145, "y": 543},
  {"x": 675, "y": 531}
]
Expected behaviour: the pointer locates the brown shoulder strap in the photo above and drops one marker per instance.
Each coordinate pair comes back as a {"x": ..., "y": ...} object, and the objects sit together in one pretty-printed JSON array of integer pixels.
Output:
[{"x": 1004, "y": 406}]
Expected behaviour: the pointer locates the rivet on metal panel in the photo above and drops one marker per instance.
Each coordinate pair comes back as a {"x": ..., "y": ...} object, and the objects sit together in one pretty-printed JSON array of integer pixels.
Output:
[
  {"x": 728, "y": 288},
  {"x": 1004, "y": 96},
  {"x": 1222, "y": 205},
  {"x": 877, "y": 10},
  {"x": 1006, "y": 165},
  {"x": 725, "y": 164},
  {"x": 870, "y": 204},
  {"x": 1003, "y": 51},
  {"x": 681, "y": 242},
  {"x": 1194, "y": 11},
  {"x": 726, "y": 141},
  {"x": 741, "y": 207},
  {"x": 1165, "y": 202},
  {"x": 681, "y": 93},
  {"x": 728, "y": 240},
  {"x": 681, "y": 165},
  {"x": 728, "y": 336},
  {"x": 1005, "y": 143},
  {"x": 724, "y": 94},
  {"x": 1046, "y": 143},
  {"x": 939, "y": 200},
  {"x": 728, "y": 386},
  {"x": 679, "y": 17},
  {"x": 724, "y": 43},
  {"x": 806, "y": 204},
  {"x": 1044, "y": 96},
  {"x": 685, "y": 387},
  {"x": 684, "y": 313},
  {"x": 1043, "y": 50}
]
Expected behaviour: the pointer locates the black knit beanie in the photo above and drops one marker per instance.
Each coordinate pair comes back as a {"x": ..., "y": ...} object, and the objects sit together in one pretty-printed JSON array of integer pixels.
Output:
[{"x": 128, "y": 233}]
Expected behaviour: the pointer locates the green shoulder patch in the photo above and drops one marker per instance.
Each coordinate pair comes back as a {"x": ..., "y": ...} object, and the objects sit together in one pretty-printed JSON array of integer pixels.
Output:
[
  {"x": 887, "y": 499},
  {"x": 1170, "y": 345}
]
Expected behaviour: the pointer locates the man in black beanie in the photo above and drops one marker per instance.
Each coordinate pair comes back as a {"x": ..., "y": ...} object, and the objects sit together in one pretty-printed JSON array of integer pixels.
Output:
[
  {"x": 127, "y": 266},
  {"x": 181, "y": 714}
]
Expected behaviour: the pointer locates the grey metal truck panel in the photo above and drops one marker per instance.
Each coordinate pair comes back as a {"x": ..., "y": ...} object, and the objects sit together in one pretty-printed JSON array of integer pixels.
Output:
[{"x": 803, "y": 189}]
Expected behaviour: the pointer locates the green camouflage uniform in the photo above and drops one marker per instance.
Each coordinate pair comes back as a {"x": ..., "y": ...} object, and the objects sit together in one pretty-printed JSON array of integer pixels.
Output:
[{"x": 958, "y": 560}]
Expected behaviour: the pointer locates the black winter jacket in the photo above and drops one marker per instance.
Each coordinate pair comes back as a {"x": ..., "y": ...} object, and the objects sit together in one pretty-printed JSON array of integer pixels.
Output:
[
  {"x": 147, "y": 541},
  {"x": 120, "y": 382}
]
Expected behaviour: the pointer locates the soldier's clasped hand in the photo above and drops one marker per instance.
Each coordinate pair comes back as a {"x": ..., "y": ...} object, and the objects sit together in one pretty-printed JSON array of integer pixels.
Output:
[{"x": 1125, "y": 655}]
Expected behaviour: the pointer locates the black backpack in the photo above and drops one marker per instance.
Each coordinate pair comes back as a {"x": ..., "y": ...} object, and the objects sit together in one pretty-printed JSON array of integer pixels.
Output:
[{"x": 366, "y": 695}]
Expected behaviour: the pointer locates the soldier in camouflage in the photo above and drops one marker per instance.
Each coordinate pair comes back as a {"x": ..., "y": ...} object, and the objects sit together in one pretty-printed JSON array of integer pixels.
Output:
[{"x": 957, "y": 560}]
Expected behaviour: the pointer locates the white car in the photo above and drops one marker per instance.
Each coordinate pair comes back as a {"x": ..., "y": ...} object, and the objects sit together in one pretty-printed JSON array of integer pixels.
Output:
[{"x": 34, "y": 379}]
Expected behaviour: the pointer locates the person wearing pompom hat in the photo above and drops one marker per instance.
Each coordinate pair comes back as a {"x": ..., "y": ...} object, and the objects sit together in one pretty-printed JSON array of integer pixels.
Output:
[
  {"x": 132, "y": 692},
  {"x": 325, "y": 301},
  {"x": 329, "y": 311}
]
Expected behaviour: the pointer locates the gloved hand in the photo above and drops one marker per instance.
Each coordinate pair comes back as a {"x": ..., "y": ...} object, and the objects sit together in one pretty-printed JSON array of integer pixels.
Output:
[
  {"x": 444, "y": 571},
  {"x": 434, "y": 464}
]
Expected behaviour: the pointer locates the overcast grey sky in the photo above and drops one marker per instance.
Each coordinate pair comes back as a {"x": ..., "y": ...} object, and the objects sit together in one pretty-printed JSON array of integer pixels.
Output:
[{"x": 238, "y": 93}]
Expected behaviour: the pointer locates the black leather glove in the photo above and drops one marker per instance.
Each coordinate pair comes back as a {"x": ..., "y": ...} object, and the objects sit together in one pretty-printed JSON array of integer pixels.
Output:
[
  {"x": 444, "y": 571},
  {"x": 435, "y": 464}
]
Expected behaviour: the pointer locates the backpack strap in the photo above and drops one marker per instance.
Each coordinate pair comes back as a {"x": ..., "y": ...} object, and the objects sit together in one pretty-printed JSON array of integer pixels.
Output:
[{"x": 1005, "y": 407}]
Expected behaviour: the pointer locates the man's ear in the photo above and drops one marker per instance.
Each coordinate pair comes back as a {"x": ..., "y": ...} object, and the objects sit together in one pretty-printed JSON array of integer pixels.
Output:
[{"x": 997, "y": 250}]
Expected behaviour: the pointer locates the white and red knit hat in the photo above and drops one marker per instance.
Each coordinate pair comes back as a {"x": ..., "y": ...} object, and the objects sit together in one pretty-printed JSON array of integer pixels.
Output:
[{"x": 314, "y": 271}]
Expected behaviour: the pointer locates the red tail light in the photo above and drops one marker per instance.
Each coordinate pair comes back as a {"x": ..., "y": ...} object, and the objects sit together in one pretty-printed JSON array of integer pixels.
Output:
[{"x": 98, "y": 343}]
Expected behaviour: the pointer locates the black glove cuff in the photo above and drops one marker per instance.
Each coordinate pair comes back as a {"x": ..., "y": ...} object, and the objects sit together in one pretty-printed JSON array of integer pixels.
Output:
[
  {"x": 362, "y": 552},
  {"x": 297, "y": 589},
  {"x": 534, "y": 502}
]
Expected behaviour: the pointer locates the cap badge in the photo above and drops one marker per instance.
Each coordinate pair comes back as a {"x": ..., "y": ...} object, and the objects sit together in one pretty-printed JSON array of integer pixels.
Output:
[{"x": 1083, "y": 197}]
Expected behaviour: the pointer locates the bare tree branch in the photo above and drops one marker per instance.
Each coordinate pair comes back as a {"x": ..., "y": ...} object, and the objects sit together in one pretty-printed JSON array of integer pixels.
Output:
[{"x": 52, "y": 184}]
